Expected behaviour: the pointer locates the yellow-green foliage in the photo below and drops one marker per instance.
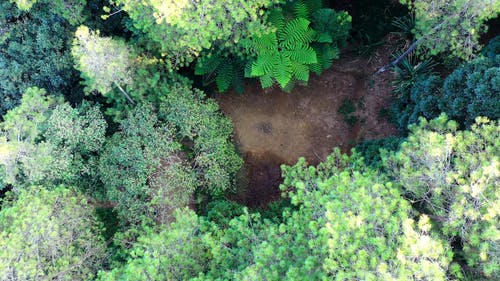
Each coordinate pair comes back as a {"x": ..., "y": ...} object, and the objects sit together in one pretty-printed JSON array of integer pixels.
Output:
[
  {"x": 49, "y": 235},
  {"x": 182, "y": 29},
  {"x": 351, "y": 224},
  {"x": 453, "y": 26},
  {"x": 455, "y": 176},
  {"x": 104, "y": 62}
]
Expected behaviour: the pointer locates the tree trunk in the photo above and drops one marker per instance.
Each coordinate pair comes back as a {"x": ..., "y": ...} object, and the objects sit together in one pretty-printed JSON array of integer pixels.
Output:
[
  {"x": 401, "y": 57},
  {"x": 412, "y": 47},
  {"x": 125, "y": 93}
]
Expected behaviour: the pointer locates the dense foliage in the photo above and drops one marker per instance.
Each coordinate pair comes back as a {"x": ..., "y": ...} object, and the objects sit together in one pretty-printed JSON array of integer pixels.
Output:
[
  {"x": 46, "y": 142},
  {"x": 49, "y": 235},
  {"x": 452, "y": 26},
  {"x": 131, "y": 172},
  {"x": 469, "y": 91},
  {"x": 181, "y": 30},
  {"x": 34, "y": 52},
  {"x": 350, "y": 221},
  {"x": 142, "y": 169},
  {"x": 454, "y": 175}
]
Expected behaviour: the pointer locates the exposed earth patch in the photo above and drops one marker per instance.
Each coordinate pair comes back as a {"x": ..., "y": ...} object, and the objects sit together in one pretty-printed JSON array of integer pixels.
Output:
[{"x": 273, "y": 127}]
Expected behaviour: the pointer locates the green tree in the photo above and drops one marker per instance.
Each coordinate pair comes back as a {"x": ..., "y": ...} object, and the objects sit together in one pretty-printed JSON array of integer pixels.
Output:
[
  {"x": 215, "y": 158},
  {"x": 178, "y": 251},
  {"x": 454, "y": 175},
  {"x": 34, "y": 51},
  {"x": 45, "y": 141},
  {"x": 143, "y": 171},
  {"x": 351, "y": 223},
  {"x": 454, "y": 26},
  {"x": 182, "y": 29},
  {"x": 49, "y": 235},
  {"x": 71, "y": 10},
  {"x": 104, "y": 62}
]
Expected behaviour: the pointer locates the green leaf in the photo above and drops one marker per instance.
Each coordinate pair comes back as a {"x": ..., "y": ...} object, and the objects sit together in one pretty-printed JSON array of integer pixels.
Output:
[
  {"x": 302, "y": 54},
  {"x": 283, "y": 71}
]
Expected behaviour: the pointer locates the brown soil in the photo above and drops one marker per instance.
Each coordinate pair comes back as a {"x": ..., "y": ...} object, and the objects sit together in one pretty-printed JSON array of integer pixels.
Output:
[{"x": 273, "y": 127}]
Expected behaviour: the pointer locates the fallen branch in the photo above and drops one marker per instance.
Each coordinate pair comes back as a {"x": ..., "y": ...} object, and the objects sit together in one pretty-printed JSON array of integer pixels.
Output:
[
  {"x": 125, "y": 93},
  {"x": 410, "y": 49},
  {"x": 400, "y": 58}
]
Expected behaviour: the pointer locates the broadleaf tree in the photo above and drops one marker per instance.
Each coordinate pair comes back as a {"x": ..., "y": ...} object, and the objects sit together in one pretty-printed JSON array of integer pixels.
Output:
[
  {"x": 453, "y": 26},
  {"x": 104, "y": 62},
  {"x": 49, "y": 235},
  {"x": 454, "y": 175}
]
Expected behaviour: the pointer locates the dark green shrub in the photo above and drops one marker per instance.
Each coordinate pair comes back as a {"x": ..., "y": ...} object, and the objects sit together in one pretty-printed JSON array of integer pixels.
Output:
[
  {"x": 493, "y": 48},
  {"x": 472, "y": 90},
  {"x": 468, "y": 92},
  {"x": 34, "y": 51},
  {"x": 347, "y": 109},
  {"x": 370, "y": 149},
  {"x": 421, "y": 100}
]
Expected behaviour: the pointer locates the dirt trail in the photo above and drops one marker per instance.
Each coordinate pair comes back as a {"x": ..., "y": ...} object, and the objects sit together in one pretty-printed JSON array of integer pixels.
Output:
[{"x": 273, "y": 127}]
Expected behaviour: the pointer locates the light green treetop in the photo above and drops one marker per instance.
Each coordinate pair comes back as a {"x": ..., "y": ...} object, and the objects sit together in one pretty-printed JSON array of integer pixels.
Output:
[
  {"x": 103, "y": 61},
  {"x": 453, "y": 26},
  {"x": 350, "y": 224},
  {"x": 184, "y": 28},
  {"x": 455, "y": 176},
  {"x": 45, "y": 141},
  {"x": 49, "y": 235}
]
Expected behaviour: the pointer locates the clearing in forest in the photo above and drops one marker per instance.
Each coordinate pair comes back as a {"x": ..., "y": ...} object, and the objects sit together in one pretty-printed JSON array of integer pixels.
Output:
[{"x": 273, "y": 127}]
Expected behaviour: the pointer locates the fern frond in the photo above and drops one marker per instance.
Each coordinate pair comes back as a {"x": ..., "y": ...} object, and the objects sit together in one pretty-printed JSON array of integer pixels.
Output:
[
  {"x": 264, "y": 64},
  {"x": 325, "y": 54},
  {"x": 275, "y": 17},
  {"x": 207, "y": 64},
  {"x": 302, "y": 54},
  {"x": 331, "y": 26},
  {"x": 283, "y": 71},
  {"x": 289, "y": 87},
  {"x": 266, "y": 81},
  {"x": 266, "y": 43},
  {"x": 295, "y": 32},
  {"x": 313, "y": 5},
  {"x": 248, "y": 69},
  {"x": 316, "y": 67},
  {"x": 300, "y": 72},
  {"x": 301, "y": 10},
  {"x": 238, "y": 82},
  {"x": 225, "y": 75}
]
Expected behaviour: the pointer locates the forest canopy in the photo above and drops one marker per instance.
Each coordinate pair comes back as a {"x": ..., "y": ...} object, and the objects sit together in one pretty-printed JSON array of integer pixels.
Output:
[{"x": 119, "y": 159}]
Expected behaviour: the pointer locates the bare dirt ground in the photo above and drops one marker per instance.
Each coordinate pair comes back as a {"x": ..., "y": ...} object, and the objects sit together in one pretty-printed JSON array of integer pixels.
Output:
[{"x": 273, "y": 127}]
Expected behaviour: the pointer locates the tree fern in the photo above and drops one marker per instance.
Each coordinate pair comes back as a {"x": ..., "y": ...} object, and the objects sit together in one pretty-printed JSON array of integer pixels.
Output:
[
  {"x": 313, "y": 5},
  {"x": 296, "y": 32},
  {"x": 301, "y": 10},
  {"x": 303, "y": 37},
  {"x": 226, "y": 72},
  {"x": 301, "y": 54},
  {"x": 283, "y": 56},
  {"x": 332, "y": 29},
  {"x": 276, "y": 18},
  {"x": 325, "y": 53}
]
